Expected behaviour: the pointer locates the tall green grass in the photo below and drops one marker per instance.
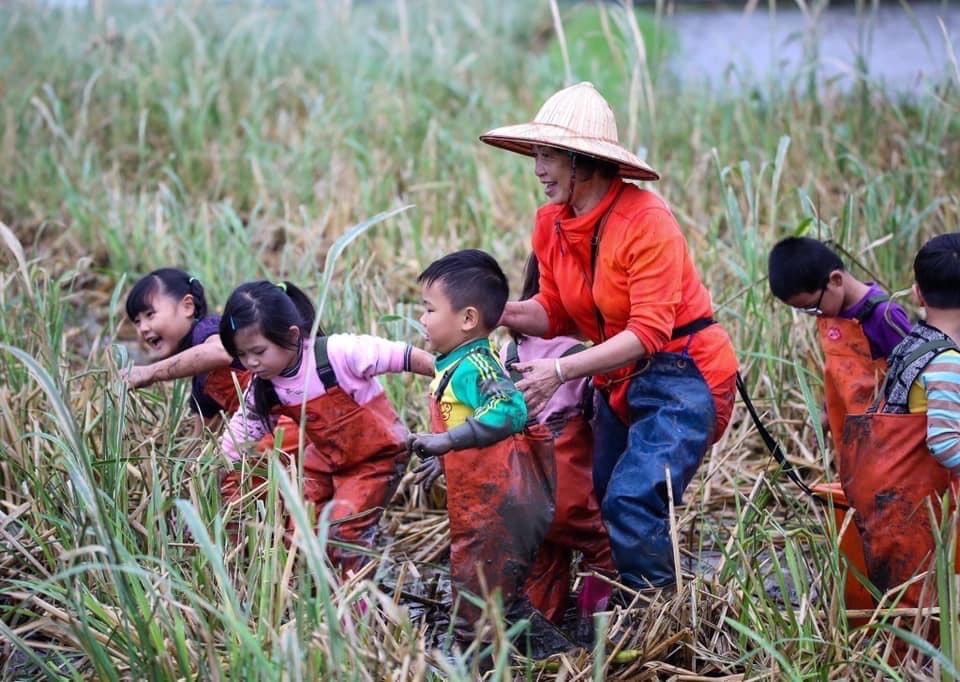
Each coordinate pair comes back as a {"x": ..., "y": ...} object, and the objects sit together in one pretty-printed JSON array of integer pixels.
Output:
[{"x": 241, "y": 141}]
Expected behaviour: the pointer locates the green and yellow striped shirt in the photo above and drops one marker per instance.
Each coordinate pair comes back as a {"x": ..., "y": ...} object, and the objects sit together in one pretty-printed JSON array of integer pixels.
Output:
[{"x": 480, "y": 388}]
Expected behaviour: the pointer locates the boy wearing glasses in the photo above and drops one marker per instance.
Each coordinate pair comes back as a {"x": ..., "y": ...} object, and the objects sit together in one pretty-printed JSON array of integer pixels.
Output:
[
  {"x": 858, "y": 327},
  {"x": 858, "y": 324}
]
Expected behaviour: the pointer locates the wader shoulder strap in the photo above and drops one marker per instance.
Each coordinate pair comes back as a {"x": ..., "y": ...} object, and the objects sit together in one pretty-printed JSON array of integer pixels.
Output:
[
  {"x": 773, "y": 446},
  {"x": 594, "y": 252},
  {"x": 895, "y": 390},
  {"x": 445, "y": 380},
  {"x": 327, "y": 376},
  {"x": 513, "y": 357},
  {"x": 870, "y": 305}
]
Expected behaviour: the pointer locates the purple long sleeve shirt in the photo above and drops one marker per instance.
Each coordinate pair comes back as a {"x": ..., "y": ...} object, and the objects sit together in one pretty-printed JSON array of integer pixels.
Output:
[
  {"x": 200, "y": 402},
  {"x": 884, "y": 326}
]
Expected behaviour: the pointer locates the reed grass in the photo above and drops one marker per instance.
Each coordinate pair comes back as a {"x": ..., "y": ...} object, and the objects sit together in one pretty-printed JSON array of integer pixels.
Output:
[{"x": 242, "y": 140}]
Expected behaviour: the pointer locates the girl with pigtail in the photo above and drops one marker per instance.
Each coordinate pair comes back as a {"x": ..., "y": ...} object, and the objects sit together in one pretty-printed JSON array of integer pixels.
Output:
[
  {"x": 355, "y": 448},
  {"x": 169, "y": 309}
]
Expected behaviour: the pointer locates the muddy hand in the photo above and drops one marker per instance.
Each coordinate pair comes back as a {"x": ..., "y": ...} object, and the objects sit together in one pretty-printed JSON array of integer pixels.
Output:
[
  {"x": 538, "y": 384},
  {"x": 138, "y": 376},
  {"x": 425, "y": 445},
  {"x": 428, "y": 472}
]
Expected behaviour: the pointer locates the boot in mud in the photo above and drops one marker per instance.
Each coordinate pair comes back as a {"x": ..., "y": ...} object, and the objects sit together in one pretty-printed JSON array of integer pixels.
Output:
[
  {"x": 542, "y": 639},
  {"x": 584, "y": 633},
  {"x": 594, "y": 596}
]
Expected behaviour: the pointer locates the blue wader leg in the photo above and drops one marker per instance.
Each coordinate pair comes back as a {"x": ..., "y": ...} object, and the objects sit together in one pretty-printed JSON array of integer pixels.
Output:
[{"x": 671, "y": 423}]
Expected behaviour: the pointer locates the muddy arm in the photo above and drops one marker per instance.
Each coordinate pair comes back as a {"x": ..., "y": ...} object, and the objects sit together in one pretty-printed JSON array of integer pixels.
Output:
[{"x": 205, "y": 357}]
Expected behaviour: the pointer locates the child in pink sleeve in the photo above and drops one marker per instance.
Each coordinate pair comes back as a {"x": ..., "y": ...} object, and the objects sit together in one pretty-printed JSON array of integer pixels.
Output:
[
  {"x": 355, "y": 360},
  {"x": 577, "y": 525},
  {"x": 569, "y": 398},
  {"x": 355, "y": 443}
]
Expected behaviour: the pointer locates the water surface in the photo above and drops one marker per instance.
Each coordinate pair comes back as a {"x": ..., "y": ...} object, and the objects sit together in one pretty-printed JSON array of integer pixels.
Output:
[{"x": 728, "y": 47}]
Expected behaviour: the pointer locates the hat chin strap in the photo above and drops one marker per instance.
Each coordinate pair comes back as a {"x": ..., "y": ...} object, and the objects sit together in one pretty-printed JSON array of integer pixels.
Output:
[{"x": 573, "y": 177}]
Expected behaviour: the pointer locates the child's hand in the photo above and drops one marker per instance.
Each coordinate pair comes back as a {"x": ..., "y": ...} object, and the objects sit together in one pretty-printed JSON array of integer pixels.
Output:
[
  {"x": 428, "y": 472},
  {"x": 138, "y": 376},
  {"x": 425, "y": 445}
]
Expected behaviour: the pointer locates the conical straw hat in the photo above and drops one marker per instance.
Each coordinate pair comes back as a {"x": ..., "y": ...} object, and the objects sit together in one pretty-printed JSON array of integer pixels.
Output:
[{"x": 577, "y": 119}]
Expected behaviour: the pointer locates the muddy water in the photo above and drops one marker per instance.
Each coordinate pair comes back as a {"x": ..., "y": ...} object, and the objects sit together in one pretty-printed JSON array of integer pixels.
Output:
[{"x": 728, "y": 48}]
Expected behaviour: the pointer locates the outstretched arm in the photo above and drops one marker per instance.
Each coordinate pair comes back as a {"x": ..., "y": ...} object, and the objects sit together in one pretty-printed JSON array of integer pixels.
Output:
[
  {"x": 365, "y": 357},
  {"x": 421, "y": 362},
  {"x": 202, "y": 358}
]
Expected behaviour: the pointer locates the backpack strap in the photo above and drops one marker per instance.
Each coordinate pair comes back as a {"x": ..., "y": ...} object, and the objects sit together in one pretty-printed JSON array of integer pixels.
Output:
[
  {"x": 513, "y": 357},
  {"x": 586, "y": 402},
  {"x": 870, "y": 305},
  {"x": 907, "y": 371},
  {"x": 573, "y": 350},
  {"x": 327, "y": 376}
]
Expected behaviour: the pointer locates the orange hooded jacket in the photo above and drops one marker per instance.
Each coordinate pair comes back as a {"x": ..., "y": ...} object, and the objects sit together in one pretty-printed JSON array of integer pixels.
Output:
[{"x": 645, "y": 282}]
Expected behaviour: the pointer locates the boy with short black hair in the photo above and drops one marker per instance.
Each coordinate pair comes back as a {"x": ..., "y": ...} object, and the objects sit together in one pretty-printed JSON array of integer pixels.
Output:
[
  {"x": 807, "y": 275},
  {"x": 463, "y": 295},
  {"x": 500, "y": 479},
  {"x": 906, "y": 449},
  {"x": 858, "y": 327},
  {"x": 857, "y": 323}
]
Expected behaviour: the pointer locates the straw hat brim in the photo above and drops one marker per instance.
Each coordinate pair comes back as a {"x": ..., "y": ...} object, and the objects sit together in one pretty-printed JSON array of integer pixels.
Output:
[{"x": 524, "y": 137}]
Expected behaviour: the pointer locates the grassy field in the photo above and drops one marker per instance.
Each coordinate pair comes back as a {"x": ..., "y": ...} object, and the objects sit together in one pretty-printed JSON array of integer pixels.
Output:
[{"x": 243, "y": 141}]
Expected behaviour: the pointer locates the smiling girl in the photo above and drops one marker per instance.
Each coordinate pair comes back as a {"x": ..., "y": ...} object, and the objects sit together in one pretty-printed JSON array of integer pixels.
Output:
[{"x": 169, "y": 309}]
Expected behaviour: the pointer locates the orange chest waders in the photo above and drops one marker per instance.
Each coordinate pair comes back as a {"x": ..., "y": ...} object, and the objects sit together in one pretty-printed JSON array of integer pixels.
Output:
[
  {"x": 353, "y": 460},
  {"x": 500, "y": 502},
  {"x": 892, "y": 481},
  {"x": 851, "y": 379}
]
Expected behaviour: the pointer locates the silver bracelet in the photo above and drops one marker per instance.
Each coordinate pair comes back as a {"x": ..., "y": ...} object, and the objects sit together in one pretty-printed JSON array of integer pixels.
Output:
[{"x": 556, "y": 368}]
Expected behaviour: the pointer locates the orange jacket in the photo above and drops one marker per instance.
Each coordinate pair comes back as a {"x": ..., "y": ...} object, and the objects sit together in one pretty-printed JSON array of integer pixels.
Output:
[{"x": 645, "y": 282}]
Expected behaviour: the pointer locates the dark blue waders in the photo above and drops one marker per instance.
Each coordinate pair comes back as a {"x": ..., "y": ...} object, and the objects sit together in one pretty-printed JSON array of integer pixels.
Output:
[{"x": 672, "y": 419}]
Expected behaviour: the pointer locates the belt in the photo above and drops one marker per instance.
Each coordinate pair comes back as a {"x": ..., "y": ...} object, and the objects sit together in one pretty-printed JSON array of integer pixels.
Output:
[
  {"x": 678, "y": 333},
  {"x": 692, "y": 328}
]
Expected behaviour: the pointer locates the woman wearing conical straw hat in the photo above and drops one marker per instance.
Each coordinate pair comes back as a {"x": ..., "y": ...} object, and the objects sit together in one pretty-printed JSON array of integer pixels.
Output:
[{"x": 615, "y": 269}]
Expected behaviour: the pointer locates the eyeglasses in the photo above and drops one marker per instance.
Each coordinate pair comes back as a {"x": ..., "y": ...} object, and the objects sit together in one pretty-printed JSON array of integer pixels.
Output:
[{"x": 815, "y": 310}]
